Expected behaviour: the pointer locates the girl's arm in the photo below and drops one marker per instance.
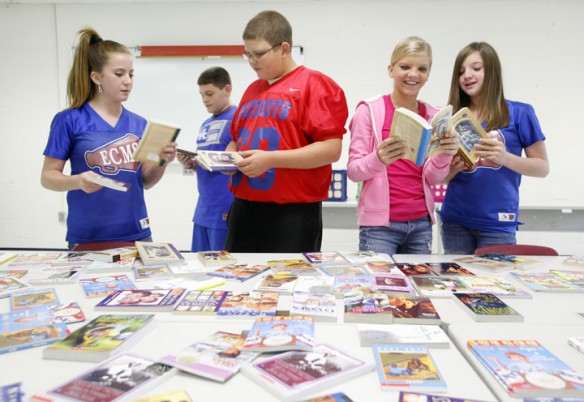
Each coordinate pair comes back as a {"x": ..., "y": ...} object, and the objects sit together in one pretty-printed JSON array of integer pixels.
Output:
[
  {"x": 52, "y": 177},
  {"x": 151, "y": 173}
]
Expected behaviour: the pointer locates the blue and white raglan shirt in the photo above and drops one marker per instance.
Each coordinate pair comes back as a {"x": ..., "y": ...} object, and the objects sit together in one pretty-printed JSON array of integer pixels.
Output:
[
  {"x": 487, "y": 198},
  {"x": 215, "y": 198},
  {"x": 90, "y": 143}
]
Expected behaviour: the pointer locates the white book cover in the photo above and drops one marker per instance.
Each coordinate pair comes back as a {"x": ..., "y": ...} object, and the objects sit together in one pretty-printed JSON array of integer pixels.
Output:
[
  {"x": 53, "y": 275},
  {"x": 431, "y": 336},
  {"x": 320, "y": 306},
  {"x": 281, "y": 283},
  {"x": 315, "y": 284}
]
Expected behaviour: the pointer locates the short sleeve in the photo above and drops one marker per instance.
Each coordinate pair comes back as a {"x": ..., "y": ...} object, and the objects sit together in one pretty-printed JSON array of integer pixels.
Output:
[{"x": 60, "y": 140}]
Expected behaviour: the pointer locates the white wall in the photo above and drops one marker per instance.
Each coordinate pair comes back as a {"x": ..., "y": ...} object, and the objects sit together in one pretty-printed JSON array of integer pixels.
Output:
[{"x": 538, "y": 41}]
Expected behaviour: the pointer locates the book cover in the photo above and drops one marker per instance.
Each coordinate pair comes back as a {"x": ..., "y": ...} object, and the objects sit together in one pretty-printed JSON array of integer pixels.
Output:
[
  {"x": 201, "y": 302},
  {"x": 525, "y": 368},
  {"x": 218, "y": 161},
  {"x": 197, "y": 281},
  {"x": 325, "y": 257},
  {"x": 33, "y": 297},
  {"x": 280, "y": 334},
  {"x": 141, "y": 300},
  {"x": 431, "y": 336},
  {"x": 72, "y": 258},
  {"x": 469, "y": 132},
  {"x": 393, "y": 283},
  {"x": 155, "y": 137},
  {"x": 192, "y": 267},
  {"x": 315, "y": 284},
  {"x": 105, "y": 285},
  {"x": 68, "y": 313},
  {"x": 239, "y": 272},
  {"x": 15, "y": 273},
  {"x": 413, "y": 310},
  {"x": 101, "y": 338},
  {"x": 12, "y": 392},
  {"x": 574, "y": 277},
  {"x": 438, "y": 286},
  {"x": 485, "y": 263},
  {"x": 577, "y": 342},
  {"x": 278, "y": 282},
  {"x": 159, "y": 272},
  {"x": 486, "y": 307},
  {"x": 359, "y": 257},
  {"x": 30, "y": 328},
  {"x": 371, "y": 307},
  {"x": 177, "y": 395},
  {"x": 218, "y": 357},
  {"x": 152, "y": 253},
  {"x": 296, "y": 267},
  {"x": 336, "y": 397},
  {"x": 408, "y": 269},
  {"x": 382, "y": 267},
  {"x": 113, "y": 254},
  {"x": 336, "y": 270},
  {"x": 495, "y": 285},
  {"x": 294, "y": 375},
  {"x": 545, "y": 282},
  {"x": 320, "y": 306},
  {"x": 517, "y": 262},
  {"x": 408, "y": 396},
  {"x": 118, "y": 267},
  {"x": 249, "y": 304},
  {"x": 10, "y": 284},
  {"x": 115, "y": 379},
  {"x": 109, "y": 182},
  {"x": 448, "y": 268},
  {"x": 216, "y": 258},
  {"x": 33, "y": 259},
  {"x": 51, "y": 275},
  {"x": 346, "y": 286},
  {"x": 410, "y": 366}
]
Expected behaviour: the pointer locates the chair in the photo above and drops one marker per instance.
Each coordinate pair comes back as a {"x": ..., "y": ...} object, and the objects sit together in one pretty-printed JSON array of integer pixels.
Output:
[
  {"x": 103, "y": 245},
  {"x": 516, "y": 249}
]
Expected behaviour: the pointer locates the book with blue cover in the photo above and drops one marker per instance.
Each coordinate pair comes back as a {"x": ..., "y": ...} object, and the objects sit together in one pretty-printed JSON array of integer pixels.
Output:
[
  {"x": 281, "y": 334},
  {"x": 33, "y": 297},
  {"x": 105, "y": 285}
]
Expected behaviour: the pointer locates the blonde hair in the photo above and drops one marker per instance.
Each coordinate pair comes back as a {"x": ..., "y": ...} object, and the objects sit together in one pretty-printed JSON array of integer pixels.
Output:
[{"x": 408, "y": 46}]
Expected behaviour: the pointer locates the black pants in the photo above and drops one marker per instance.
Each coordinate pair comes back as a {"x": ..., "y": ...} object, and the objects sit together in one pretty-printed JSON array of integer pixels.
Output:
[{"x": 265, "y": 227}]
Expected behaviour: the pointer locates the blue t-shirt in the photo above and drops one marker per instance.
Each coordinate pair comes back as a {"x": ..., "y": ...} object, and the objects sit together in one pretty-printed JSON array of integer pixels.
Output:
[
  {"x": 215, "y": 198},
  {"x": 90, "y": 143},
  {"x": 487, "y": 198}
]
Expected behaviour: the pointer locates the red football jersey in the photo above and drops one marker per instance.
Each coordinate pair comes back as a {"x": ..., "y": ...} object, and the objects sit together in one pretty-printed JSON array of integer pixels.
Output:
[{"x": 303, "y": 107}]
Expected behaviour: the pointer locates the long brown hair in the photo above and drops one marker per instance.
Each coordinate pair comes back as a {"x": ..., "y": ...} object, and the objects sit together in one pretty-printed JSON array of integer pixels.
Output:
[
  {"x": 493, "y": 107},
  {"x": 91, "y": 54}
]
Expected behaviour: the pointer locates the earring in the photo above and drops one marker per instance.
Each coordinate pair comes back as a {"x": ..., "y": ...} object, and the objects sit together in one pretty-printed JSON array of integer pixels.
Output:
[{"x": 99, "y": 89}]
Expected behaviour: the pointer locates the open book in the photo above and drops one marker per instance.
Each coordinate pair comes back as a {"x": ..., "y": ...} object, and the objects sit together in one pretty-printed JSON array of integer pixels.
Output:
[
  {"x": 423, "y": 138},
  {"x": 156, "y": 136}
]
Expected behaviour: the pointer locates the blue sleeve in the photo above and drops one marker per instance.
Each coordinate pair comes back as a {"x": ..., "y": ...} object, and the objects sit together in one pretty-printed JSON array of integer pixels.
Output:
[
  {"x": 60, "y": 140},
  {"x": 526, "y": 123}
]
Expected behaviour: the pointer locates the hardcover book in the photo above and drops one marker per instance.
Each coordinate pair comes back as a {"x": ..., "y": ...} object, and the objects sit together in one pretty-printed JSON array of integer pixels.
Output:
[
  {"x": 294, "y": 375},
  {"x": 217, "y": 357},
  {"x": 431, "y": 336},
  {"x": 201, "y": 302},
  {"x": 413, "y": 310},
  {"x": 10, "y": 284},
  {"x": 525, "y": 368},
  {"x": 280, "y": 334},
  {"x": 109, "y": 182},
  {"x": 113, "y": 254},
  {"x": 116, "y": 379},
  {"x": 486, "y": 307},
  {"x": 281, "y": 282},
  {"x": 105, "y": 285},
  {"x": 31, "y": 328},
  {"x": 325, "y": 257},
  {"x": 101, "y": 338},
  {"x": 320, "y": 306},
  {"x": 239, "y": 272},
  {"x": 393, "y": 283},
  {"x": 438, "y": 286},
  {"x": 367, "y": 307},
  {"x": 448, "y": 268},
  {"x": 141, "y": 300},
  {"x": 408, "y": 366},
  {"x": 218, "y": 161},
  {"x": 545, "y": 282},
  {"x": 152, "y": 253},
  {"x": 159, "y": 272},
  {"x": 495, "y": 285},
  {"x": 50, "y": 275},
  {"x": 33, "y": 297},
  {"x": 249, "y": 304},
  {"x": 216, "y": 258},
  {"x": 155, "y": 137}
]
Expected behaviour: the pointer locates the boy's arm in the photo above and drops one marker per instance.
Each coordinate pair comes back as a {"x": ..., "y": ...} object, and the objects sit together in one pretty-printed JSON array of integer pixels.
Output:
[{"x": 311, "y": 156}]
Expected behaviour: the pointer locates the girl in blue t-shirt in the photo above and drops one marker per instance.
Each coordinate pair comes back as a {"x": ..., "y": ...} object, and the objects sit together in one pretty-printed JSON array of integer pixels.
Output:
[
  {"x": 481, "y": 206},
  {"x": 98, "y": 136}
]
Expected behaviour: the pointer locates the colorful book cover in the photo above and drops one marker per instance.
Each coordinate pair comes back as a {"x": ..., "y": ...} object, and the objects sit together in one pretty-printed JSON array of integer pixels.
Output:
[
  {"x": 574, "y": 277},
  {"x": 217, "y": 357},
  {"x": 105, "y": 285},
  {"x": 393, "y": 283},
  {"x": 448, "y": 268},
  {"x": 54, "y": 275},
  {"x": 545, "y": 282},
  {"x": 486, "y": 263},
  {"x": 367, "y": 307},
  {"x": 486, "y": 307},
  {"x": 408, "y": 396},
  {"x": 10, "y": 284},
  {"x": 315, "y": 284},
  {"x": 33, "y": 259},
  {"x": 336, "y": 397},
  {"x": 15, "y": 273},
  {"x": 358, "y": 257},
  {"x": 216, "y": 258},
  {"x": 408, "y": 366},
  {"x": 431, "y": 336},
  {"x": 325, "y": 257},
  {"x": 68, "y": 313},
  {"x": 277, "y": 334},
  {"x": 382, "y": 267},
  {"x": 296, "y": 267},
  {"x": 413, "y": 310},
  {"x": 239, "y": 272},
  {"x": 101, "y": 337},
  {"x": 31, "y": 328},
  {"x": 115, "y": 379},
  {"x": 201, "y": 302},
  {"x": 350, "y": 285},
  {"x": 320, "y": 306},
  {"x": 525, "y": 368},
  {"x": 438, "y": 286},
  {"x": 335, "y": 270},
  {"x": 153, "y": 253},
  {"x": 72, "y": 258},
  {"x": 249, "y": 304},
  {"x": 294, "y": 375},
  {"x": 159, "y": 272},
  {"x": 277, "y": 282},
  {"x": 33, "y": 297},
  {"x": 141, "y": 300},
  {"x": 517, "y": 262},
  {"x": 495, "y": 285},
  {"x": 415, "y": 269}
]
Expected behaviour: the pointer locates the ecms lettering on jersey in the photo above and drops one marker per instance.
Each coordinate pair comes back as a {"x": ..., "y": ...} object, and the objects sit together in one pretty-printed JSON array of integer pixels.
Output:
[{"x": 114, "y": 156}]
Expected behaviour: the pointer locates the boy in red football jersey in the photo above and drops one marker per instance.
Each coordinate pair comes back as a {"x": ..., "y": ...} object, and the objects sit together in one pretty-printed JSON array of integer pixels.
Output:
[{"x": 289, "y": 127}]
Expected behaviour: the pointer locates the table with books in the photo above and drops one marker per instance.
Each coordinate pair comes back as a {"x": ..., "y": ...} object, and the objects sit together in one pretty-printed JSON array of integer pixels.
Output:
[{"x": 172, "y": 325}]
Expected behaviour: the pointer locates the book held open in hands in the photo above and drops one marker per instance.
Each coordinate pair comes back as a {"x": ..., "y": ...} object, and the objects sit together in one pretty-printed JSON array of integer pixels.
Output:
[{"x": 156, "y": 135}]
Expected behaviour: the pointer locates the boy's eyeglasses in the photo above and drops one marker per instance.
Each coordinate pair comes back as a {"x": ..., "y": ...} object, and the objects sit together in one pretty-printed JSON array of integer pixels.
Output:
[{"x": 258, "y": 55}]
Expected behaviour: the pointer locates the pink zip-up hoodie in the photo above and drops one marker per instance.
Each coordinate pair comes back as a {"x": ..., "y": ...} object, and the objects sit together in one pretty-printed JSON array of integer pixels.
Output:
[{"x": 364, "y": 166}]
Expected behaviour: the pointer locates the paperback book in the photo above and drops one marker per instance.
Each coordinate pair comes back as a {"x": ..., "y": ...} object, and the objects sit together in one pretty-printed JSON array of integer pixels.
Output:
[
  {"x": 10, "y": 284},
  {"x": 367, "y": 307},
  {"x": 68, "y": 313},
  {"x": 218, "y": 161},
  {"x": 448, "y": 269},
  {"x": 495, "y": 285},
  {"x": 486, "y": 263},
  {"x": 515, "y": 261},
  {"x": 218, "y": 357},
  {"x": 546, "y": 282},
  {"x": 438, "y": 286},
  {"x": 415, "y": 269},
  {"x": 296, "y": 267},
  {"x": 109, "y": 182},
  {"x": 344, "y": 286},
  {"x": 280, "y": 334},
  {"x": 249, "y": 304},
  {"x": 410, "y": 366},
  {"x": 413, "y": 310},
  {"x": 191, "y": 267},
  {"x": 393, "y": 283},
  {"x": 216, "y": 258},
  {"x": 101, "y": 338},
  {"x": 198, "y": 281},
  {"x": 573, "y": 277},
  {"x": 159, "y": 272},
  {"x": 431, "y": 336},
  {"x": 525, "y": 368},
  {"x": 118, "y": 267},
  {"x": 294, "y": 375},
  {"x": 72, "y": 258},
  {"x": 281, "y": 282},
  {"x": 33, "y": 297},
  {"x": 359, "y": 257},
  {"x": 239, "y": 272},
  {"x": 15, "y": 273},
  {"x": 336, "y": 270},
  {"x": 51, "y": 275},
  {"x": 335, "y": 397},
  {"x": 105, "y": 285},
  {"x": 325, "y": 257},
  {"x": 113, "y": 254},
  {"x": 140, "y": 300},
  {"x": 31, "y": 328},
  {"x": 152, "y": 253},
  {"x": 382, "y": 267},
  {"x": 34, "y": 259},
  {"x": 201, "y": 302},
  {"x": 315, "y": 284},
  {"x": 486, "y": 307},
  {"x": 118, "y": 378},
  {"x": 155, "y": 137},
  {"x": 320, "y": 306}
]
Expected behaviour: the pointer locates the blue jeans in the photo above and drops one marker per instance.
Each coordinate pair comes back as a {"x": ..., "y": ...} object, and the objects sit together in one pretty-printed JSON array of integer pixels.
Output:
[
  {"x": 409, "y": 237},
  {"x": 458, "y": 239},
  {"x": 207, "y": 239}
]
